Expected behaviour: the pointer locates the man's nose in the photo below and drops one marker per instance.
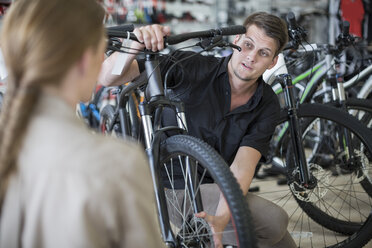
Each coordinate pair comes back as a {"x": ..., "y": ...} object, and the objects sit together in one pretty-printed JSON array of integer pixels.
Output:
[{"x": 252, "y": 55}]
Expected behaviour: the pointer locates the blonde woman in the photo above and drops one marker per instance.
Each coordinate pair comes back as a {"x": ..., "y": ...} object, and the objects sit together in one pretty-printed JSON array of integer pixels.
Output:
[{"x": 60, "y": 185}]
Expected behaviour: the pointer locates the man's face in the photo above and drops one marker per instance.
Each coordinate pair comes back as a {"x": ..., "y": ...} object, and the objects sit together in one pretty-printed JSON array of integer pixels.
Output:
[{"x": 256, "y": 56}]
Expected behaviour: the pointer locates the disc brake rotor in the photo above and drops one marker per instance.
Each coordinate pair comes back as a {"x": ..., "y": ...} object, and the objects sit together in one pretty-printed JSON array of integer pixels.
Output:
[
  {"x": 359, "y": 174},
  {"x": 314, "y": 194}
]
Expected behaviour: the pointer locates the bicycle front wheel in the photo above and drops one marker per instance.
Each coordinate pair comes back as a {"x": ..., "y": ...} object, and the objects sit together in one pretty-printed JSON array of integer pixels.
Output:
[
  {"x": 337, "y": 200},
  {"x": 337, "y": 204},
  {"x": 195, "y": 177}
]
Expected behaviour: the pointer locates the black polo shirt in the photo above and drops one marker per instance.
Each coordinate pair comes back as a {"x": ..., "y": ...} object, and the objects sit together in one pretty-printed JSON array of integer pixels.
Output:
[{"x": 202, "y": 82}]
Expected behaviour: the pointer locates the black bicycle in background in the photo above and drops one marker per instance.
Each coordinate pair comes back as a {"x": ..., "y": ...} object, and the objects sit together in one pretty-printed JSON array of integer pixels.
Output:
[
  {"x": 181, "y": 165},
  {"x": 325, "y": 156},
  {"x": 313, "y": 129}
]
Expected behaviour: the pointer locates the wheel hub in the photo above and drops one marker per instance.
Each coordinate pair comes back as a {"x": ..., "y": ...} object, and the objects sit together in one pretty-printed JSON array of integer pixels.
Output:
[
  {"x": 314, "y": 191},
  {"x": 196, "y": 233}
]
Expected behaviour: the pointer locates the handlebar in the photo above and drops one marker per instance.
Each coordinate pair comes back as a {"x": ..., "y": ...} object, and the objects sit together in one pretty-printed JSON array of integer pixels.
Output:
[
  {"x": 344, "y": 39},
  {"x": 178, "y": 38},
  {"x": 297, "y": 34},
  {"x": 345, "y": 28},
  {"x": 232, "y": 30},
  {"x": 121, "y": 28},
  {"x": 291, "y": 19}
]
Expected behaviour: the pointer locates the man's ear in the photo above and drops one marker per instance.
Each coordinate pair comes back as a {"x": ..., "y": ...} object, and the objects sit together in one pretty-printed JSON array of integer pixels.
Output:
[
  {"x": 237, "y": 38},
  {"x": 275, "y": 59}
]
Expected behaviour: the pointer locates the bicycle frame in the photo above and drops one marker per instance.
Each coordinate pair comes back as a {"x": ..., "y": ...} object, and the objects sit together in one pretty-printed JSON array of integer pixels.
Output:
[
  {"x": 150, "y": 111},
  {"x": 325, "y": 72},
  {"x": 321, "y": 69}
]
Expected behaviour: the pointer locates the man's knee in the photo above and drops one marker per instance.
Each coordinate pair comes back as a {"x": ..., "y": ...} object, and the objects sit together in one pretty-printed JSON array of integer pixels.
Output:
[
  {"x": 277, "y": 223},
  {"x": 270, "y": 220}
]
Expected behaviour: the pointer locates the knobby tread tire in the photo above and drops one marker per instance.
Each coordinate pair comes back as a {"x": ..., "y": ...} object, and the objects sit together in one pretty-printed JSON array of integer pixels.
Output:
[
  {"x": 222, "y": 176},
  {"x": 361, "y": 235},
  {"x": 107, "y": 115}
]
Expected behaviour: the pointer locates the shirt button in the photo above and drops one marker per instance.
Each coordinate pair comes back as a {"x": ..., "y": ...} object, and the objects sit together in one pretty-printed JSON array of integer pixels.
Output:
[{"x": 227, "y": 93}]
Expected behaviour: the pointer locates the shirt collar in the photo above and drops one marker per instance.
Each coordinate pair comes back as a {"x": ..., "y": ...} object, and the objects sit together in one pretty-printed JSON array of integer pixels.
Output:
[
  {"x": 257, "y": 96},
  {"x": 223, "y": 67}
]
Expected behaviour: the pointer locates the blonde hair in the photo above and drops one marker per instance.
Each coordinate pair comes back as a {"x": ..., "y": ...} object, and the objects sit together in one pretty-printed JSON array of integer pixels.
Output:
[{"x": 40, "y": 41}]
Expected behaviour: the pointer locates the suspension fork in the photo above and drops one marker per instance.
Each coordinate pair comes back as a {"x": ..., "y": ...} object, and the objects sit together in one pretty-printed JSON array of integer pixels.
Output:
[
  {"x": 306, "y": 179},
  {"x": 339, "y": 97},
  {"x": 152, "y": 145}
]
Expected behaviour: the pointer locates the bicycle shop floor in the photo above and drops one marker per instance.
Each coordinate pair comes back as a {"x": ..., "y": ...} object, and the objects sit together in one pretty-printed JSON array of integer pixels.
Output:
[{"x": 308, "y": 239}]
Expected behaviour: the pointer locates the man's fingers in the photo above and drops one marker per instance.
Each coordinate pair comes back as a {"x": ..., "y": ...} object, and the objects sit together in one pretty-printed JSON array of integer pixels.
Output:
[
  {"x": 138, "y": 34},
  {"x": 152, "y": 36},
  {"x": 201, "y": 214},
  {"x": 204, "y": 215},
  {"x": 166, "y": 30}
]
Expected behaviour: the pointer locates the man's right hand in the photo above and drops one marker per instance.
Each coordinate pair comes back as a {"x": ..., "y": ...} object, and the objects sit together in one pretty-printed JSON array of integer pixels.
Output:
[{"x": 152, "y": 37}]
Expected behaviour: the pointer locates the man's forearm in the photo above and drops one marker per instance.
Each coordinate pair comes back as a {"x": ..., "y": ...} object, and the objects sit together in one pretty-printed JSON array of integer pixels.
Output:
[
  {"x": 243, "y": 168},
  {"x": 129, "y": 72}
]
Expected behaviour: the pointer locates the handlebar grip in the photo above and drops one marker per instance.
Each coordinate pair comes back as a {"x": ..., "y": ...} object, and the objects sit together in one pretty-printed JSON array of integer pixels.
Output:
[
  {"x": 178, "y": 38},
  {"x": 122, "y": 28},
  {"x": 291, "y": 20},
  {"x": 233, "y": 30},
  {"x": 345, "y": 28}
]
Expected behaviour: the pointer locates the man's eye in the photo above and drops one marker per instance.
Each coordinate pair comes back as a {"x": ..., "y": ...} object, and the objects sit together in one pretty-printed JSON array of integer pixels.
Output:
[
  {"x": 249, "y": 45},
  {"x": 264, "y": 54}
]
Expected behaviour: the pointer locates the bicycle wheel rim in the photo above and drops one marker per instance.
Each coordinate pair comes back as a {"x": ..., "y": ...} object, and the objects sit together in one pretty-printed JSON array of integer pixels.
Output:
[
  {"x": 175, "y": 151},
  {"x": 306, "y": 231}
]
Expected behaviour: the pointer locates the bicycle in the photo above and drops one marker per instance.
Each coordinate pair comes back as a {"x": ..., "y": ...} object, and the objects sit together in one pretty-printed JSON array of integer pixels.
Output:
[
  {"x": 325, "y": 68},
  {"x": 327, "y": 152},
  {"x": 315, "y": 130},
  {"x": 180, "y": 164},
  {"x": 324, "y": 73},
  {"x": 303, "y": 112}
]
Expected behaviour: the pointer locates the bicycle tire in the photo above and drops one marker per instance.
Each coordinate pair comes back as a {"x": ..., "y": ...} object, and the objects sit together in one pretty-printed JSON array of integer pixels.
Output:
[
  {"x": 317, "y": 210},
  {"x": 107, "y": 116},
  {"x": 206, "y": 160},
  {"x": 361, "y": 109},
  {"x": 134, "y": 120}
]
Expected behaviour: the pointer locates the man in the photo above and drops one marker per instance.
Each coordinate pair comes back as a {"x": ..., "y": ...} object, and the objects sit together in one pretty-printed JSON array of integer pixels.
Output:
[{"x": 230, "y": 107}]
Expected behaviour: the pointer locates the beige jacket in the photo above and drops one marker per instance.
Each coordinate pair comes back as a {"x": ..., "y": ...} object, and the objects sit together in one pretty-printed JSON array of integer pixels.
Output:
[{"x": 77, "y": 189}]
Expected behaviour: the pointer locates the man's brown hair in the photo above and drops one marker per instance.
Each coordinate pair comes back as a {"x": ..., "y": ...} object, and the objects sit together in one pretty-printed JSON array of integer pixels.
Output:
[{"x": 273, "y": 26}]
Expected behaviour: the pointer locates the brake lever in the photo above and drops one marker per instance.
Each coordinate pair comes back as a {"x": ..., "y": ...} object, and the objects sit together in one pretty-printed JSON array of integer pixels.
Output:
[
  {"x": 209, "y": 43},
  {"x": 234, "y": 46}
]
